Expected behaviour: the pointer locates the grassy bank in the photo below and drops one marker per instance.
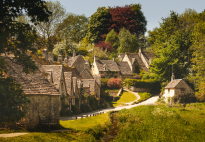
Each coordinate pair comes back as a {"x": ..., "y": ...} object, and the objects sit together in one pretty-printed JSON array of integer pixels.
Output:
[
  {"x": 85, "y": 130},
  {"x": 160, "y": 123},
  {"x": 125, "y": 98},
  {"x": 143, "y": 96}
]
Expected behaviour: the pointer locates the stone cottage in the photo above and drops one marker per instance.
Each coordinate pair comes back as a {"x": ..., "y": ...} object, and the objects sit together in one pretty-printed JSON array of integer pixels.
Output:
[
  {"x": 176, "y": 86},
  {"x": 44, "y": 97},
  {"x": 141, "y": 59},
  {"x": 111, "y": 69}
]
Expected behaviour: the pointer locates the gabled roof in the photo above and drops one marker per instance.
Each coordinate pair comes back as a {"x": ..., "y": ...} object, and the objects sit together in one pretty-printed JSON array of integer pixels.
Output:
[
  {"x": 34, "y": 83},
  {"x": 149, "y": 55},
  {"x": 68, "y": 82},
  {"x": 112, "y": 65},
  {"x": 86, "y": 74},
  {"x": 124, "y": 68},
  {"x": 56, "y": 73},
  {"x": 173, "y": 84},
  {"x": 71, "y": 60}
]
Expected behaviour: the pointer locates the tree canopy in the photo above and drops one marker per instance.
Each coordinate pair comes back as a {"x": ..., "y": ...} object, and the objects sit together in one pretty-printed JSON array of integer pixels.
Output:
[{"x": 106, "y": 19}]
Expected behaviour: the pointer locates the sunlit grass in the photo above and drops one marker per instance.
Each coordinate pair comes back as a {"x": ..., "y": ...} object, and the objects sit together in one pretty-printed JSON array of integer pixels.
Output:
[
  {"x": 86, "y": 123},
  {"x": 125, "y": 98},
  {"x": 161, "y": 123}
]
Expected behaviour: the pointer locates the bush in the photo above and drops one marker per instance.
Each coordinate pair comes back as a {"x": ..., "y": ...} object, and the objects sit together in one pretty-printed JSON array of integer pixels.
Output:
[
  {"x": 184, "y": 98},
  {"x": 65, "y": 112},
  {"x": 114, "y": 83},
  {"x": 82, "y": 51},
  {"x": 40, "y": 53},
  {"x": 103, "y": 45},
  {"x": 151, "y": 84},
  {"x": 75, "y": 109},
  {"x": 85, "y": 108},
  {"x": 200, "y": 97},
  {"x": 104, "y": 82}
]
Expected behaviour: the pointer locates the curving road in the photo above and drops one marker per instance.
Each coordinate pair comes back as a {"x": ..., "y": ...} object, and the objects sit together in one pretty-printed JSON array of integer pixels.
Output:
[{"x": 150, "y": 101}]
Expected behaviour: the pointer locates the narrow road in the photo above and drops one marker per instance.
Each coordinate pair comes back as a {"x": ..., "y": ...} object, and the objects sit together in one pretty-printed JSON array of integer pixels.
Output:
[{"x": 150, "y": 101}]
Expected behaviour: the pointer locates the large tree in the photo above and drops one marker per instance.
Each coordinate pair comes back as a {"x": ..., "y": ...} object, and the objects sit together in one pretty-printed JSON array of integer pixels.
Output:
[
  {"x": 16, "y": 38},
  {"x": 105, "y": 19},
  {"x": 171, "y": 43},
  {"x": 48, "y": 28},
  {"x": 73, "y": 27}
]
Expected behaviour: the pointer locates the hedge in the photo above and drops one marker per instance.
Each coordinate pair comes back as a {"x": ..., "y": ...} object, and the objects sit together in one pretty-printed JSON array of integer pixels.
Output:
[
  {"x": 104, "y": 82},
  {"x": 151, "y": 84}
]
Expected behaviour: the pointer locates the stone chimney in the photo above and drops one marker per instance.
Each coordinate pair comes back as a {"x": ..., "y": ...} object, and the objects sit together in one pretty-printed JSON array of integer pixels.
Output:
[
  {"x": 140, "y": 51},
  {"x": 45, "y": 54},
  {"x": 86, "y": 65},
  {"x": 95, "y": 58},
  {"x": 50, "y": 56},
  {"x": 173, "y": 77},
  {"x": 66, "y": 59},
  {"x": 113, "y": 59},
  {"x": 74, "y": 53},
  {"x": 60, "y": 59}
]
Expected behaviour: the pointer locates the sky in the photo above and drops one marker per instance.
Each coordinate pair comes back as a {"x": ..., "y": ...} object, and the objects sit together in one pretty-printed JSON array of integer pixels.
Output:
[{"x": 153, "y": 10}]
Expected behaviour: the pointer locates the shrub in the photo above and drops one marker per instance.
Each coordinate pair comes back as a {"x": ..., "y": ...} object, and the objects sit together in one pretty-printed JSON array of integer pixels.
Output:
[
  {"x": 82, "y": 51},
  {"x": 40, "y": 53},
  {"x": 184, "y": 98},
  {"x": 64, "y": 112},
  {"x": 103, "y": 45},
  {"x": 114, "y": 83},
  {"x": 104, "y": 82},
  {"x": 200, "y": 96},
  {"x": 151, "y": 84},
  {"x": 85, "y": 108},
  {"x": 75, "y": 109}
]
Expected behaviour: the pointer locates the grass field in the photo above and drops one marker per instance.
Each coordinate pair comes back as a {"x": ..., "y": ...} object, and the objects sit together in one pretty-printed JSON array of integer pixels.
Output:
[
  {"x": 85, "y": 130},
  {"x": 125, "y": 98},
  {"x": 161, "y": 123},
  {"x": 143, "y": 96}
]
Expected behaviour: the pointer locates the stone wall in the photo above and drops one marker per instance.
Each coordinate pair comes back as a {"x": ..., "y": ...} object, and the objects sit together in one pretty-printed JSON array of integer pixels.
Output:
[
  {"x": 42, "y": 106},
  {"x": 134, "y": 89}
]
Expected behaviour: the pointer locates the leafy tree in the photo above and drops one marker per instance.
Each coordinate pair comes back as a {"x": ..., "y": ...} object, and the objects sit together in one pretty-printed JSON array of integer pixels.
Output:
[
  {"x": 127, "y": 42},
  {"x": 48, "y": 29},
  {"x": 16, "y": 38},
  {"x": 74, "y": 27},
  {"x": 171, "y": 43},
  {"x": 112, "y": 38},
  {"x": 98, "y": 24}
]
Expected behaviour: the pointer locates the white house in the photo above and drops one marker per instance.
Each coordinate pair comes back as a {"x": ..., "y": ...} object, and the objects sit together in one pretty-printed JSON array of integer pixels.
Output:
[{"x": 176, "y": 86}]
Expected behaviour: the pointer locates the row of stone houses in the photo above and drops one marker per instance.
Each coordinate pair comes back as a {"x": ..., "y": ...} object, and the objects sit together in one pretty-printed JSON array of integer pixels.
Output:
[
  {"x": 69, "y": 78},
  {"x": 125, "y": 67}
]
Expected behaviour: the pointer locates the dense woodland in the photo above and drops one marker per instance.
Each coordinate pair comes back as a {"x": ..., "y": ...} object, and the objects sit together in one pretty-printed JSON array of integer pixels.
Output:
[{"x": 178, "y": 42}]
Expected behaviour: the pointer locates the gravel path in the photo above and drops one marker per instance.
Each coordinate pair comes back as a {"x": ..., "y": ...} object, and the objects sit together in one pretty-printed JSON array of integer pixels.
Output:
[{"x": 12, "y": 135}]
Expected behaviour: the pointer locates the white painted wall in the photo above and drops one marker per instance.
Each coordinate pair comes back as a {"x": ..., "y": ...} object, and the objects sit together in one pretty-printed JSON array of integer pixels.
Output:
[
  {"x": 144, "y": 60},
  {"x": 167, "y": 94},
  {"x": 94, "y": 68},
  {"x": 126, "y": 59}
]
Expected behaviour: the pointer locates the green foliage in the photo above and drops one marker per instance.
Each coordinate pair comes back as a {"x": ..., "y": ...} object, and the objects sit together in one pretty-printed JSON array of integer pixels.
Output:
[
  {"x": 127, "y": 42},
  {"x": 112, "y": 38},
  {"x": 14, "y": 104},
  {"x": 75, "y": 109},
  {"x": 104, "y": 82},
  {"x": 141, "y": 83},
  {"x": 85, "y": 108},
  {"x": 98, "y": 24},
  {"x": 48, "y": 29},
  {"x": 114, "y": 83},
  {"x": 102, "y": 55},
  {"x": 40, "y": 53},
  {"x": 93, "y": 102},
  {"x": 74, "y": 27},
  {"x": 184, "y": 98},
  {"x": 143, "y": 96},
  {"x": 82, "y": 51}
]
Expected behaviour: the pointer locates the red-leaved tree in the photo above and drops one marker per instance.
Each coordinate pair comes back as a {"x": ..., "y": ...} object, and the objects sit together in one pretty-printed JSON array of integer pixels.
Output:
[
  {"x": 114, "y": 83},
  {"x": 103, "y": 45},
  {"x": 123, "y": 17}
]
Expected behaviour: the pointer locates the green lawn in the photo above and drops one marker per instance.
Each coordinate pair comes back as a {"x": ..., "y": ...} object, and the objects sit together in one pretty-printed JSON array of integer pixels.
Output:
[
  {"x": 143, "y": 96},
  {"x": 160, "y": 123},
  {"x": 84, "y": 130},
  {"x": 125, "y": 98}
]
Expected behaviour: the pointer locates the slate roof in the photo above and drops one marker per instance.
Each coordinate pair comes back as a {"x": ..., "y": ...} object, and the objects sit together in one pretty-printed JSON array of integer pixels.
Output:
[
  {"x": 56, "y": 73},
  {"x": 138, "y": 60},
  {"x": 149, "y": 55},
  {"x": 122, "y": 55},
  {"x": 71, "y": 60},
  {"x": 34, "y": 83},
  {"x": 173, "y": 84},
  {"x": 124, "y": 68},
  {"x": 112, "y": 65}
]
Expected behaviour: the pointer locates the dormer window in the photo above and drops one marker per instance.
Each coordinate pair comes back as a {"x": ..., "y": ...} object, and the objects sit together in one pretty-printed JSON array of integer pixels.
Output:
[{"x": 105, "y": 67}]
